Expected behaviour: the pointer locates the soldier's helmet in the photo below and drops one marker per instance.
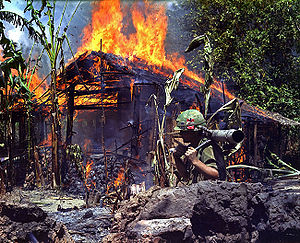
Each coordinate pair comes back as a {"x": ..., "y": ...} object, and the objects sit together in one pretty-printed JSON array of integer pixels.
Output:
[{"x": 190, "y": 120}]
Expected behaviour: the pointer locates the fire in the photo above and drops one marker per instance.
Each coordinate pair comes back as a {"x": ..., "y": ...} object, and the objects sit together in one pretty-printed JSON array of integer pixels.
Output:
[
  {"x": 37, "y": 85},
  {"x": 217, "y": 86},
  {"x": 120, "y": 179},
  {"x": 89, "y": 183},
  {"x": 106, "y": 100},
  {"x": 195, "y": 106},
  {"x": 239, "y": 157},
  {"x": 144, "y": 42},
  {"x": 239, "y": 174},
  {"x": 47, "y": 141},
  {"x": 131, "y": 88}
]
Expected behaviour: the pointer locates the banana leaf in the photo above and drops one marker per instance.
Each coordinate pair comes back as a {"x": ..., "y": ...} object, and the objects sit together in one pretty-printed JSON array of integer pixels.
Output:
[{"x": 172, "y": 84}]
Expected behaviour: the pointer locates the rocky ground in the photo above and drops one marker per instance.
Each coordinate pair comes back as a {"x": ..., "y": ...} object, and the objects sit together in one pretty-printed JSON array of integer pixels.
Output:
[
  {"x": 209, "y": 211},
  {"x": 50, "y": 216}
]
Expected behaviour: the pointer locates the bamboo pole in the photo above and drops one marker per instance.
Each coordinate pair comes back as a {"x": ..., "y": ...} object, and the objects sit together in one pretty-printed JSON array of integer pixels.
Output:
[
  {"x": 55, "y": 131},
  {"x": 103, "y": 115},
  {"x": 70, "y": 115}
]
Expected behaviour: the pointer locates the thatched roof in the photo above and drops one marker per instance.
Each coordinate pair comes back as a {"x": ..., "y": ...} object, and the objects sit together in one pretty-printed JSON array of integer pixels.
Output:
[{"x": 120, "y": 72}]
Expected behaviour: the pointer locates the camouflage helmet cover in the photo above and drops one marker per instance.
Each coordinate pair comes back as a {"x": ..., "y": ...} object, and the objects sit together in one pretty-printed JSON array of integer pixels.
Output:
[{"x": 190, "y": 120}]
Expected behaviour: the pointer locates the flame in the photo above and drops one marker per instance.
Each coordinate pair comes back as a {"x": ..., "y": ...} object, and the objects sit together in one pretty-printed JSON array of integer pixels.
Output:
[
  {"x": 195, "y": 106},
  {"x": 120, "y": 179},
  {"x": 239, "y": 174},
  {"x": 131, "y": 88},
  {"x": 144, "y": 42},
  {"x": 47, "y": 141},
  {"x": 101, "y": 99},
  {"x": 88, "y": 168},
  {"x": 89, "y": 183},
  {"x": 36, "y": 85},
  {"x": 239, "y": 157}
]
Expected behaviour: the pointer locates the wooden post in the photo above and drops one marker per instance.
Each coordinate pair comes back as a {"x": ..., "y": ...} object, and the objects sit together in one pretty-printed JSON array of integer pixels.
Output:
[
  {"x": 136, "y": 121},
  {"x": 70, "y": 115},
  {"x": 103, "y": 114}
]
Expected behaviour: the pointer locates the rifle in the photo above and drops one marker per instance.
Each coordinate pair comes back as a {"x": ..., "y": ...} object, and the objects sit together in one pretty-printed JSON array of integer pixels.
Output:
[{"x": 231, "y": 136}]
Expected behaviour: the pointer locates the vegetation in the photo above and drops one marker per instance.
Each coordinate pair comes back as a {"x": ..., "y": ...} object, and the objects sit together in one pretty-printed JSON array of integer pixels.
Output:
[
  {"x": 15, "y": 79},
  {"x": 163, "y": 169},
  {"x": 256, "y": 48},
  {"x": 51, "y": 39}
]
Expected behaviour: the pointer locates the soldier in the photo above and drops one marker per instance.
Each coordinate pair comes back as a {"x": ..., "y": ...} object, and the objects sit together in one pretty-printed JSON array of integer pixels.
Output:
[{"x": 193, "y": 166}]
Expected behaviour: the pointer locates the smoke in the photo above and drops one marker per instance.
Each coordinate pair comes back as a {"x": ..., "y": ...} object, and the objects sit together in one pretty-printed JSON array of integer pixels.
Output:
[{"x": 21, "y": 37}]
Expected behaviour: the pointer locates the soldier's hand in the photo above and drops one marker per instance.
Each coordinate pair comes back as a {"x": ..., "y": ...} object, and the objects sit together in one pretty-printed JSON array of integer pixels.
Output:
[
  {"x": 191, "y": 155},
  {"x": 180, "y": 150}
]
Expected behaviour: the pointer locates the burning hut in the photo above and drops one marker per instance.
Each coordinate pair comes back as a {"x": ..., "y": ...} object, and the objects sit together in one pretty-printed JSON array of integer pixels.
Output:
[
  {"x": 104, "y": 97},
  {"x": 106, "y": 101}
]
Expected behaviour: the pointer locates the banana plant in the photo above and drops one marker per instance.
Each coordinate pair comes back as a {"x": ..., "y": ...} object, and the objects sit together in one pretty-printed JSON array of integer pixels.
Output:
[
  {"x": 53, "y": 46},
  {"x": 52, "y": 40},
  {"x": 14, "y": 89},
  {"x": 162, "y": 168},
  {"x": 208, "y": 65}
]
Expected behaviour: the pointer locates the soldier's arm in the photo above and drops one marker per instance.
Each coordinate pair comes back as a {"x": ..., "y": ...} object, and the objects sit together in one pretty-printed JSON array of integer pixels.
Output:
[{"x": 207, "y": 171}]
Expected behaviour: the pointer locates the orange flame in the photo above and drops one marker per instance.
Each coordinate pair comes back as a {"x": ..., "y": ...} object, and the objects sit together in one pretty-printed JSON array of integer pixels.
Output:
[
  {"x": 107, "y": 24},
  {"x": 120, "y": 179},
  {"x": 195, "y": 106},
  {"x": 239, "y": 157},
  {"x": 89, "y": 183},
  {"x": 240, "y": 173},
  {"x": 145, "y": 42},
  {"x": 36, "y": 85},
  {"x": 47, "y": 141},
  {"x": 87, "y": 145},
  {"x": 89, "y": 166}
]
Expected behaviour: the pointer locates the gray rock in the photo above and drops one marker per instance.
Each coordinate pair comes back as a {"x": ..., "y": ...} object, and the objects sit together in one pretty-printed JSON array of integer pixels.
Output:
[{"x": 210, "y": 211}]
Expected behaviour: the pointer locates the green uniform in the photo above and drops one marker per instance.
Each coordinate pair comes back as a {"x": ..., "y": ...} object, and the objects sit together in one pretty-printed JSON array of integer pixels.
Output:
[
  {"x": 207, "y": 157},
  {"x": 192, "y": 120}
]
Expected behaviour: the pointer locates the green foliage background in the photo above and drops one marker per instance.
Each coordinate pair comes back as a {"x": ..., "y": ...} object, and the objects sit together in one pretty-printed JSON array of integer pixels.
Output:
[{"x": 256, "y": 48}]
